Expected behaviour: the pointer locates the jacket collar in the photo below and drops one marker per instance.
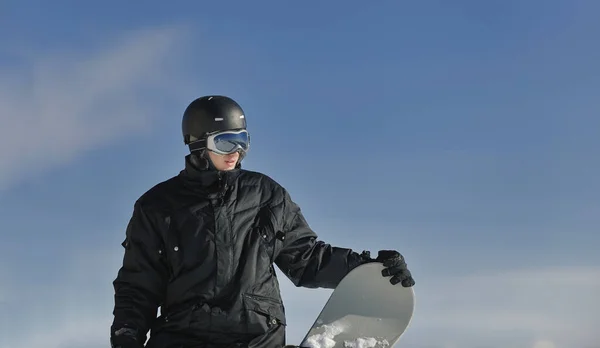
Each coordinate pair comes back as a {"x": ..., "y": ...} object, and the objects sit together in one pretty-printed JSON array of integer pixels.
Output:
[{"x": 199, "y": 176}]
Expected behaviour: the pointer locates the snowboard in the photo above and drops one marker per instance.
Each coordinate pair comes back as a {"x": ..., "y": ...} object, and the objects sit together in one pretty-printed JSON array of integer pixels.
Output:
[{"x": 364, "y": 311}]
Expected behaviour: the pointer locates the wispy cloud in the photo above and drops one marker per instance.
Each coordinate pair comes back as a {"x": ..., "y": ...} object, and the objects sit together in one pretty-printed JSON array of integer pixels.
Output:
[
  {"x": 552, "y": 308},
  {"x": 73, "y": 310},
  {"x": 64, "y": 104}
]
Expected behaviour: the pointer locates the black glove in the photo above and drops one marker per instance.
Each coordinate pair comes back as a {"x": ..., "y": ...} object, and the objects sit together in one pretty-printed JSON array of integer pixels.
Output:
[
  {"x": 395, "y": 267},
  {"x": 125, "y": 338}
]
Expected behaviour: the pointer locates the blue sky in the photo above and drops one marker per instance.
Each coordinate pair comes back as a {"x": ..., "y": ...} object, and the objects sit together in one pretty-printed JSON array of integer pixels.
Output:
[{"x": 464, "y": 134}]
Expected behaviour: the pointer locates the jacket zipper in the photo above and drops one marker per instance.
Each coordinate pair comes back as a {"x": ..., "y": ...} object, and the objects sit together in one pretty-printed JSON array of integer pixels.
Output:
[{"x": 229, "y": 241}]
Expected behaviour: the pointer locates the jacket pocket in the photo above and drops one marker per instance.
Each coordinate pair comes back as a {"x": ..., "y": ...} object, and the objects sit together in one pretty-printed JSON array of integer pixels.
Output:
[
  {"x": 263, "y": 314},
  {"x": 271, "y": 240}
]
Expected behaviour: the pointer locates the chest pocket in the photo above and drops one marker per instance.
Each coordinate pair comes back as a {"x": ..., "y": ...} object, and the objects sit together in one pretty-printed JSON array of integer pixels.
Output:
[
  {"x": 267, "y": 228},
  {"x": 189, "y": 242}
]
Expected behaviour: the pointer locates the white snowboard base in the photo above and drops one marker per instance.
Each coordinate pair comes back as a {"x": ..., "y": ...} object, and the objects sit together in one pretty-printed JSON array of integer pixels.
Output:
[{"x": 364, "y": 311}]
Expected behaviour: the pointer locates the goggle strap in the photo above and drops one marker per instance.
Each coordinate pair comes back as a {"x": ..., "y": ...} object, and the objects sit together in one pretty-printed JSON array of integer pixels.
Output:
[{"x": 198, "y": 145}]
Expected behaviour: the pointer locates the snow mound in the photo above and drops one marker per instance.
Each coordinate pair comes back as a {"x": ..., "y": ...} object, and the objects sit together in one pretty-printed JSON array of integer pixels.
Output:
[
  {"x": 365, "y": 342},
  {"x": 327, "y": 339}
]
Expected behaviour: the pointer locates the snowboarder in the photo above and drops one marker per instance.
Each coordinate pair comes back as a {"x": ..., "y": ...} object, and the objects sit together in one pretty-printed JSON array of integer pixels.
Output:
[{"x": 201, "y": 247}]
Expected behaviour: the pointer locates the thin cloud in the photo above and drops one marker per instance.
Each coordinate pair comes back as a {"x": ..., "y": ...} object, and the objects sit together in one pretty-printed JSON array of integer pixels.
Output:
[
  {"x": 75, "y": 310},
  {"x": 527, "y": 308},
  {"x": 64, "y": 104}
]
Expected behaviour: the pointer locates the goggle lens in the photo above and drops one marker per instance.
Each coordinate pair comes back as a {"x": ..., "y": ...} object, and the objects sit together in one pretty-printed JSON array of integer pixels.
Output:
[{"x": 229, "y": 142}]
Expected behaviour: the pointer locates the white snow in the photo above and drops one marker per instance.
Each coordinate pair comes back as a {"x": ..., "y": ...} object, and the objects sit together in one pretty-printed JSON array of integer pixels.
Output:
[
  {"x": 325, "y": 339},
  {"x": 366, "y": 343}
]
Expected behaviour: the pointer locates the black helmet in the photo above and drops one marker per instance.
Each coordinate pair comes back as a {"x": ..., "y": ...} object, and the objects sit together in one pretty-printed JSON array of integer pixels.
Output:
[{"x": 210, "y": 114}]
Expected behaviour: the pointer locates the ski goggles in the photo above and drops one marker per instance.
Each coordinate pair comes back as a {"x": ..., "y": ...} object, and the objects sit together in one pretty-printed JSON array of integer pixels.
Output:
[{"x": 224, "y": 143}]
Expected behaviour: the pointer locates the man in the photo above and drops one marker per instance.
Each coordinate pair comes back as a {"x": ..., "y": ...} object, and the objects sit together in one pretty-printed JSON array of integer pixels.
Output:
[{"x": 202, "y": 245}]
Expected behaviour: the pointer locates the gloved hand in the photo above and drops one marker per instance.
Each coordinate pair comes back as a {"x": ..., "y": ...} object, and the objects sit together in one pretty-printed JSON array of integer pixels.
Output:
[
  {"x": 125, "y": 338},
  {"x": 395, "y": 268}
]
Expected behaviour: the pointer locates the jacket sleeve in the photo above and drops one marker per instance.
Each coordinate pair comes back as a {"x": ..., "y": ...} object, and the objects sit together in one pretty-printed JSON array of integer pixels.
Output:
[
  {"x": 141, "y": 280},
  {"x": 307, "y": 261}
]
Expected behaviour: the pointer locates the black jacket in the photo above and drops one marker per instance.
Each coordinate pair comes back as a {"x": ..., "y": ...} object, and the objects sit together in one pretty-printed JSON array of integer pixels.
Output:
[{"x": 201, "y": 246}]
